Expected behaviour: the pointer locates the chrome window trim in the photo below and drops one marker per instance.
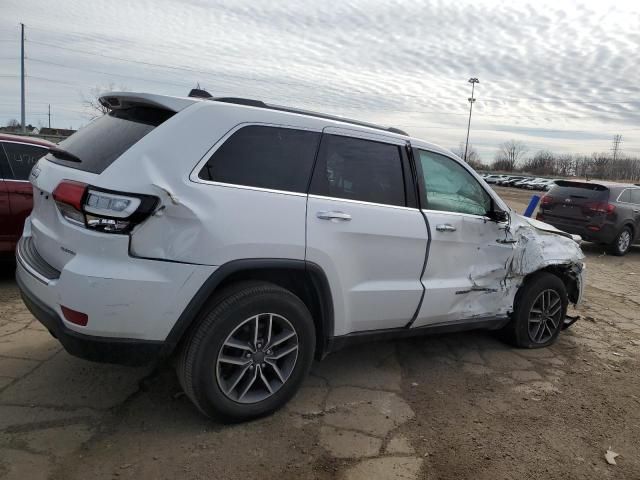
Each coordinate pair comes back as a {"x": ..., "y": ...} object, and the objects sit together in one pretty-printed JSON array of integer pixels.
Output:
[
  {"x": 459, "y": 214},
  {"x": 247, "y": 187},
  {"x": 361, "y": 202}
]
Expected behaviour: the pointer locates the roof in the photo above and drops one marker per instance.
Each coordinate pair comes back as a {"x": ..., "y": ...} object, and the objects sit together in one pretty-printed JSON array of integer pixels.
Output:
[
  {"x": 116, "y": 100},
  {"x": 5, "y": 137}
]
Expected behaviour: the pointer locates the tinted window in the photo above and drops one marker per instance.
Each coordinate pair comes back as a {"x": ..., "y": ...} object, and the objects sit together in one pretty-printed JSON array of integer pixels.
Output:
[
  {"x": 359, "y": 170},
  {"x": 450, "y": 187},
  {"x": 625, "y": 196},
  {"x": 266, "y": 157},
  {"x": 102, "y": 141},
  {"x": 21, "y": 159},
  {"x": 635, "y": 196}
]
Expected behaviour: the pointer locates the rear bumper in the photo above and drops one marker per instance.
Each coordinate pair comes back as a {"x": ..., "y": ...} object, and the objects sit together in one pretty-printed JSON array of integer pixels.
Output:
[
  {"x": 122, "y": 351},
  {"x": 606, "y": 234}
]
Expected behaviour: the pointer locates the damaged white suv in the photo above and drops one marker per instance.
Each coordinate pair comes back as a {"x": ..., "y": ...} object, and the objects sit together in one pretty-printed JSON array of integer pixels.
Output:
[{"x": 248, "y": 239}]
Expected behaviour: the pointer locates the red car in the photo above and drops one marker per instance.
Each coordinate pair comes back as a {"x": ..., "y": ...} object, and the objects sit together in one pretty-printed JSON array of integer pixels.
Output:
[{"x": 17, "y": 156}]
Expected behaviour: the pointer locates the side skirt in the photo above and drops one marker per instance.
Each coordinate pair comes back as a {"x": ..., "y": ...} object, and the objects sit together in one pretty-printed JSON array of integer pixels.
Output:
[{"x": 482, "y": 323}]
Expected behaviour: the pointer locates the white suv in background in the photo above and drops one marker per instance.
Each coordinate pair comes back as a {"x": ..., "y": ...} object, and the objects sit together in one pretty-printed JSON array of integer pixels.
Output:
[{"x": 249, "y": 239}]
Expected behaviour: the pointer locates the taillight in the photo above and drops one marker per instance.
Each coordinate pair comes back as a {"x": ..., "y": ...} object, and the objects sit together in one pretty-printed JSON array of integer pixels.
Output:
[
  {"x": 600, "y": 207},
  {"x": 68, "y": 196},
  {"x": 105, "y": 211},
  {"x": 546, "y": 200}
]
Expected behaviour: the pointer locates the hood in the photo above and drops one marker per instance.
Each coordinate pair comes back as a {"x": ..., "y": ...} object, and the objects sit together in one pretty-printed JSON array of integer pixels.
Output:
[{"x": 545, "y": 227}]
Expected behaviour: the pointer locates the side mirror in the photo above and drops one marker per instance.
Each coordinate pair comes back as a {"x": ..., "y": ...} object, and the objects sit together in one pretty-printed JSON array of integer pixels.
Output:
[{"x": 499, "y": 216}]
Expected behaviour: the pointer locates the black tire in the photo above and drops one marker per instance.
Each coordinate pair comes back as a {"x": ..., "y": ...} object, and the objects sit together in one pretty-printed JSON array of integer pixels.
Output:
[
  {"x": 197, "y": 366},
  {"x": 518, "y": 331},
  {"x": 619, "y": 247}
]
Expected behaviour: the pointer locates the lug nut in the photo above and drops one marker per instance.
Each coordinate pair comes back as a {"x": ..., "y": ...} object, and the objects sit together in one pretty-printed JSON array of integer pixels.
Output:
[
  {"x": 262, "y": 365},
  {"x": 269, "y": 352},
  {"x": 248, "y": 355}
]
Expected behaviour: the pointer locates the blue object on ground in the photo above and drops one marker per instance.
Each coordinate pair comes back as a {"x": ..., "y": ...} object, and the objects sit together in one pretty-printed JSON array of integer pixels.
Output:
[{"x": 533, "y": 203}]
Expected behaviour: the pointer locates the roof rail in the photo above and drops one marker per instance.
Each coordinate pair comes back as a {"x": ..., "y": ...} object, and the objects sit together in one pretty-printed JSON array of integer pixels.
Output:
[{"x": 260, "y": 104}]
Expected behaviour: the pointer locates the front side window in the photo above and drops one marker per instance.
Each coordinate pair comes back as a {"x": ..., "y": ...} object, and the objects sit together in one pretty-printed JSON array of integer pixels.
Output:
[
  {"x": 357, "y": 169},
  {"x": 635, "y": 196},
  {"x": 20, "y": 160},
  {"x": 266, "y": 157},
  {"x": 450, "y": 187}
]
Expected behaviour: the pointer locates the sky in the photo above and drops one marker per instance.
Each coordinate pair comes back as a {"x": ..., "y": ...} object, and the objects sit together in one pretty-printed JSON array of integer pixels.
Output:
[{"x": 558, "y": 75}]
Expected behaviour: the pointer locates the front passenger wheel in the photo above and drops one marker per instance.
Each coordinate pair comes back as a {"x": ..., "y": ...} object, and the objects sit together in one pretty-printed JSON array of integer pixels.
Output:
[
  {"x": 250, "y": 352},
  {"x": 539, "y": 311}
]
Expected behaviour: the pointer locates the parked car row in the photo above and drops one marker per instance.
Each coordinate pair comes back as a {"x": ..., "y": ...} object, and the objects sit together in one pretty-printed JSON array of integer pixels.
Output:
[{"x": 520, "y": 181}]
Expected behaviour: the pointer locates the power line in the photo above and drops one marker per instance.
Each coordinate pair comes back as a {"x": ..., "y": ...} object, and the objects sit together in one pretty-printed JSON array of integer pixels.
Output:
[{"x": 205, "y": 72}]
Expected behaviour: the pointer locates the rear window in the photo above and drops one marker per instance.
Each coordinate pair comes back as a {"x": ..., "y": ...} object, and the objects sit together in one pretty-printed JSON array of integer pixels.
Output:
[
  {"x": 579, "y": 190},
  {"x": 102, "y": 141}
]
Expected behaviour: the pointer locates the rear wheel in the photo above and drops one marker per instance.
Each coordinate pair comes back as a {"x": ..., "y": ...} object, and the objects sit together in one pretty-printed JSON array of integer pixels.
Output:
[
  {"x": 249, "y": 354},
  {"x": 539, "y": 311},
  {"x": 622, "y": 243}
]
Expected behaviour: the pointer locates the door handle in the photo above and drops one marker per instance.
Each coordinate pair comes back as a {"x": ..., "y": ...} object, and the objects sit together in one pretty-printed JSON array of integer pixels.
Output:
[
  {"x": 337, "y": 216},
  {"x": 445, "y": 227},
  {"x": 635, "y": 210}
]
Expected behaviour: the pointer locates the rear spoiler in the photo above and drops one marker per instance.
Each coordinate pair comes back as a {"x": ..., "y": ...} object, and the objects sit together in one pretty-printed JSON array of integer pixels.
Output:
[
  {"x": 119, "y": 100},
  {"x": 579, "y": 184}
]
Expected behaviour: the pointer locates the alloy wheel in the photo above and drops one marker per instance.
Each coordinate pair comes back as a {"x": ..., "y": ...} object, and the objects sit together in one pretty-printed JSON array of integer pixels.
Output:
[
  {"x": 545, "y": 316},
  {"x": 257, "y": 358}
]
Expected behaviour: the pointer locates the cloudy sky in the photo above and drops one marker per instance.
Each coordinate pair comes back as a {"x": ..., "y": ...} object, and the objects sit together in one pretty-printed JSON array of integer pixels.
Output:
[{"x": 561, "y": 75}]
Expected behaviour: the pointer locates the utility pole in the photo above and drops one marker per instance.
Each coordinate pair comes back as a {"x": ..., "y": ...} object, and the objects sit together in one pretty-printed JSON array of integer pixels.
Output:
[
  {"x": 473, "y": 82},
  {"x": 22, "y": 114},
  {"x": 615, "y": 148},
  {"x": 49, "y": 115}
]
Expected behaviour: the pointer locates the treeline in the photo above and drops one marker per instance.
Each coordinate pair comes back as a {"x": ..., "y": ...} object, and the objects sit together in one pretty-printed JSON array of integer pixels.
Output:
[{"x": 511, "y": 157}]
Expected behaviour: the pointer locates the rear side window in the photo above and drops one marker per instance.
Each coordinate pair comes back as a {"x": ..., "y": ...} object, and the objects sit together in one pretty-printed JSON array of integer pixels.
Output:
[
  {"x": 625, "y": 196},
  {"x": 635, "y": 196},
  {"x": 102, "y": 141},
  {"x": 266, "y": 157},
  {"x": 358, "y": 169},
  {"x": 20, "y": 160}
]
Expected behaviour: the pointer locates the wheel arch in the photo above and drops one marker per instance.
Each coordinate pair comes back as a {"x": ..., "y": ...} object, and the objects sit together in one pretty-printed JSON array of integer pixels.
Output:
[
  {"x": 305, "y": 279},
  {"x": 565, "y": 272}
]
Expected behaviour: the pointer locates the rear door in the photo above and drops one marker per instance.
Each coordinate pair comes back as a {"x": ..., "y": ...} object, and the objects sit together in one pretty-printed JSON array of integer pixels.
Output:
[
  {"x": 365, "y": 230},
  {"x": 635, "y": 201},
  {"x": 21, "y": 158}
]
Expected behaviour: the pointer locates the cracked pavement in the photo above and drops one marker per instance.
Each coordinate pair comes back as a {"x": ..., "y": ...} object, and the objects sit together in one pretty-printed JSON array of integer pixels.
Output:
[{"x": 443, "y": 407}]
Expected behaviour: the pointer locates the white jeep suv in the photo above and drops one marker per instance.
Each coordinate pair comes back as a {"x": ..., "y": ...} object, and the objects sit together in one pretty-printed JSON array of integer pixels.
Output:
[{"x": 248, "y": 239}]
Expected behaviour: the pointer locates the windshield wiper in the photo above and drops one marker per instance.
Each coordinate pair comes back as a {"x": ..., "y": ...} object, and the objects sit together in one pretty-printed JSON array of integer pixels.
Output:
[{"x": 63, "y": 154}]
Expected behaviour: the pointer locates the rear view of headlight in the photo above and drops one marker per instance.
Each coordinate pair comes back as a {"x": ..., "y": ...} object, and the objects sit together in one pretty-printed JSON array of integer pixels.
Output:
[{"x": 105, "y": 211}]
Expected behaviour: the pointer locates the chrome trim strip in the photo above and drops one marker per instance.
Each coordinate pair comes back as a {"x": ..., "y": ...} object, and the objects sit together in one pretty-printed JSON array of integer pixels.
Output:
[
  {"x": 247, "y": 187},
  {"x": 29, "y": 268},
  {"x": 361, "y": 202},
  {"x": 458, "y": 214},
  {"x": 14, "y": 180},
  {"x": 25, "y": 143}
]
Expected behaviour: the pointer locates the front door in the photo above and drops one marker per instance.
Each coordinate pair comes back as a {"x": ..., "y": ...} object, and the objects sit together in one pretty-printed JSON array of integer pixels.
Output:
[
  {"x": 364, "y": 230},
  {"x": 468, "y": 253}
]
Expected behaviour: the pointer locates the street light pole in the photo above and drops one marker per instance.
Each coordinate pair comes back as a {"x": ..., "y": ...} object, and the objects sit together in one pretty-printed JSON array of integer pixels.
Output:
[
  {"x": 22, "y": 113},
  {"x": 473, "y": 82}
]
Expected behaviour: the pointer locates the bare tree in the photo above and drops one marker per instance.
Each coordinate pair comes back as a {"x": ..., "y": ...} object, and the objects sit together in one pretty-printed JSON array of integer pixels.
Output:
[
  {"x": 13, "y": 123},
  {"x": 91, "y": 102},
  {"x": 509, "y": 154}
]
